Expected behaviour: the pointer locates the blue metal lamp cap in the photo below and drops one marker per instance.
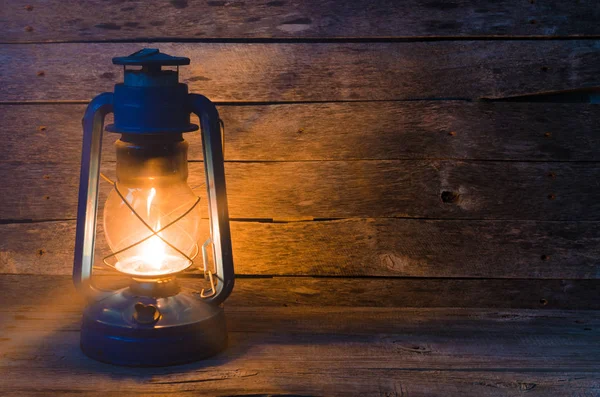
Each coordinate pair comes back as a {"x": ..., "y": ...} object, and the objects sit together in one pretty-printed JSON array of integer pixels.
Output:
[
  {"x": 151, "y": 100},
  {"x": 150, "y": 56}
]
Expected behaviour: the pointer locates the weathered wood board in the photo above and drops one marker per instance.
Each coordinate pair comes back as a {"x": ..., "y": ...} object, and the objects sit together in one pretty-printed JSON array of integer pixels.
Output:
[
  {"x": 275, "y": 72},
  {"x": 287, "y": 380},
  {"x": 312, "y": 350},
  {"x": 369, "y": 247},
  {"x": 347, "y": 292},
  {"x": 343, "y": 131},
  {"x": 346, "y": 189},
  {"x": 57, "y": 292},
  {"x": 182, "y": 19}
]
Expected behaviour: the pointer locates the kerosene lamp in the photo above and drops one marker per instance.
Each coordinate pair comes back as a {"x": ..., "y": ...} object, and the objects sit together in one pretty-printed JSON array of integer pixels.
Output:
[{"x": 152, "y": 221}]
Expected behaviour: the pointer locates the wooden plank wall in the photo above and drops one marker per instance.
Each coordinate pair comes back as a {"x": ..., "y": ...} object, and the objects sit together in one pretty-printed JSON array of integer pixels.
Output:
[{"x": 382, "y": 153}]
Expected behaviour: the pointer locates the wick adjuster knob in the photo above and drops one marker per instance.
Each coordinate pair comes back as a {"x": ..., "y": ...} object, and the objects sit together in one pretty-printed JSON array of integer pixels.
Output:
[{"x": 146, "y": 314}]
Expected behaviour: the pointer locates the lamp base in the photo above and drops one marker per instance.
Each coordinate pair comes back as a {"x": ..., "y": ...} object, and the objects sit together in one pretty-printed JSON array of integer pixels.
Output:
[{"x": 133, "y": 330}]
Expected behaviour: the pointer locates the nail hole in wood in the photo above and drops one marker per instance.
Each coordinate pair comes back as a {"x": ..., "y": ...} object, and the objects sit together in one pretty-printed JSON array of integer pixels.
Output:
[
  {"x": 532, "y": 21},
  {"x": 544, "y": 68},
  {"x": 544, "y": 257},
  {"x": 29, "y": 7},
  {"x": 47, "y": 197},
  {"x": 547, "y": 134},
  {"x": 42, "y": 128},
  {"x": 28, "y": 29},
  {"x": 46, "y": 176},
  {"x": 452, "y": 133},
  {"x": 41, "y": 252},
  {"x": 40, "y": 73},
  {"x": 552, "y": 175},
  {"x": 543, "y": 302},
  {"x": 551, "y": 196},
  {"x": 300, "y": 131},
  {"x": 449, "y": 197}
]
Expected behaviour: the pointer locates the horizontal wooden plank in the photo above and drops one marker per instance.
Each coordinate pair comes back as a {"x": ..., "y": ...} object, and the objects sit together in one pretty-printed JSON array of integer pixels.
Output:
[
  {"x": 24, "y": 293},
  {"x": 97, "y": 20},
  {"x": 382, "y": 292},
  {"x": 351, "y": 292},
  {"x": 287, "y": 380},
  {"x": 369, "y": 247},
  {"x": 346, "y": 189},
  {"x": 313, "y": 71},
  {"x": 343, "y": 131},
  {"x": 479, "y": 347},
  {"x": 360, "y": 351}
]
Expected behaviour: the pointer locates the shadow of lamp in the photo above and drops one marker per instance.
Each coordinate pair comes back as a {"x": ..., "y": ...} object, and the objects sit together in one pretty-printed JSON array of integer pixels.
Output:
[{"x": 152, "y": 221}]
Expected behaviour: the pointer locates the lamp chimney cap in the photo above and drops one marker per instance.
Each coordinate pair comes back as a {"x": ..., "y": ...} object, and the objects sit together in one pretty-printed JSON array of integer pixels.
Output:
[{"x": 150, "y": 57}]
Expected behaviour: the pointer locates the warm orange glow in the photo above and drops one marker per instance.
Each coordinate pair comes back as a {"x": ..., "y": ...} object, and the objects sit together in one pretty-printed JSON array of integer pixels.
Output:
[
  {"x": 152, "y": 260},
  {"x": 152, "y": 257}
]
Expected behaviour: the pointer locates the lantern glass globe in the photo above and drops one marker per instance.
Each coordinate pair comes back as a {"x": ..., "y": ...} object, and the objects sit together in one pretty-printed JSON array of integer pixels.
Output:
[{"x": 151, "y": 221}]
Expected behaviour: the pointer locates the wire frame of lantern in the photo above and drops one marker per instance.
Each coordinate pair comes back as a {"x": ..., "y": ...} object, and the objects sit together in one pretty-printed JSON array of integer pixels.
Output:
[
  {"x": 210, "y": 276},
  {"x": 155, "y": 233}
]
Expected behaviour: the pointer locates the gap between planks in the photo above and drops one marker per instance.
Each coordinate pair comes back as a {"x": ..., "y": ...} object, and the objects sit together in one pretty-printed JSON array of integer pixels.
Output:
[{"x": 312, "y": 40}]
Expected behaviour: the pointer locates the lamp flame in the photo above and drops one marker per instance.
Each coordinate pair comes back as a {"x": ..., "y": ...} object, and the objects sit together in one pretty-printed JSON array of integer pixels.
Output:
[
  {"x": 151, "y": 258},
  {"x": 153, "y": 250}
]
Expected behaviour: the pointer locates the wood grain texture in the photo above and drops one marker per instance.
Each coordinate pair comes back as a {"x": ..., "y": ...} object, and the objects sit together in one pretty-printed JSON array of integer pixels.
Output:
[
  {"x": 369, "y": 247},
  {"x": 304, "y": 292},
  {"x": 313, "y": 350},
  {"x": 313, "y": 71},
  {"x": 339, "y": 292},
  {"x": 425, "y": 292},
  {"x": 96, "y": 20},
  {"x": 345, "y": 189},
  {"x": 343, "y": 131},
  {"x": 286, "y": 380}
]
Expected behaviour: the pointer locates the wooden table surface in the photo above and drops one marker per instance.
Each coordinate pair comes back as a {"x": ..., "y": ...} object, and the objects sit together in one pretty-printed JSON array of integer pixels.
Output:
[{"x": 312, "y": 351}]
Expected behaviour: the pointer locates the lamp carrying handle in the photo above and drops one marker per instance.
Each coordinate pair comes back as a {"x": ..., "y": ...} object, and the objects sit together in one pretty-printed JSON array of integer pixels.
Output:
[
  {"x": 93, "y": 125},
  {"x": 217, "y": 197}
]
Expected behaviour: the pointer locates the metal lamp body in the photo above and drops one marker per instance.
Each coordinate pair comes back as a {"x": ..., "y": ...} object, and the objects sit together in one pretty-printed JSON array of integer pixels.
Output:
[
  {"x": 186, "y": 329},
  {"x": 153, "y": 322}
]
